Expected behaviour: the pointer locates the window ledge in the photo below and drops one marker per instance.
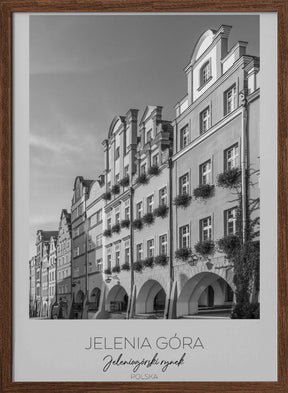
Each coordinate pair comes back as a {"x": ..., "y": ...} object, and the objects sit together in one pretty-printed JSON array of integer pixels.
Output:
[{"x": 204, "y": 84}]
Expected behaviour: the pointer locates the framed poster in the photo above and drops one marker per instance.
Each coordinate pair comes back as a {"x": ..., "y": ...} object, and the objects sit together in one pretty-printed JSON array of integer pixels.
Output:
[{"x": 141, "y": 146}]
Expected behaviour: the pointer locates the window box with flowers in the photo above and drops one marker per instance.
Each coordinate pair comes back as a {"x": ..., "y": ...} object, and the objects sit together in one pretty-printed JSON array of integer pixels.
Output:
[
  {"x": 182, "y": 200},
  {"x": 138, "y": 266},
  {"x": 148, "y": 218},
  {"x": 125, "y": 266},
  {"x": 229, "y": 179},
  {"x": 107, "y": 271},
  {"x": 204, "y": 191},
  {"x": 124, "y": 182},
  {"x": 154, "y": 170},
  {"x": 183, "y": 253},
  {"x": 116, "y": 269},
  {"x": 107, "y": 196},
  {"x": 115, "y": 189},
  {"x": 107, "y": 233},
  {"x": 205, "y": 248},
  {"x": 161, "y": 211},
  {"x": 142, "y": 179},
  {"x": 137, "y": 224},
  {"x": 161, "y": 260},
  {"x": 125, "y": 223},
  {"x": 148, "y": 262},
  {"x": 229, "y": 245},
  {"x": 116, "y": 228}
]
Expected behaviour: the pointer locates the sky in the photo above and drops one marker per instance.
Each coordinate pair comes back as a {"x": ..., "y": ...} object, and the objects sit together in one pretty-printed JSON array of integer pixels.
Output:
[{"x": 85, "y": 70}]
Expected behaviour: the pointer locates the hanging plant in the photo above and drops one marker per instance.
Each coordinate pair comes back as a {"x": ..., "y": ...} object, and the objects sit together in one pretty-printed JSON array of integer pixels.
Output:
[
  {"x": 125, "y": 266},
  {"x": 204, "y": 191},
  {"x": 205, "y": 247},
  {"x": 182, "y": 200},
  {"x": 154, "y": 170},
  {"x": 107, "y": 271},
  {"x": 124, "y": 182},
  {"x": 107, "y": 233},
  {"x": 107, "y": 196},
  {"x": 116, "y": 228},
  {"x": 116, "y": 269},
  {"x": 138, "y": 266},
  {"x": 230, "y": 178},
  {"x": 148, "y": 218},
  {"x": 229, "y": 245},
  {"x": 149, "y": 262},
  {"x": 137, "y": 224},
  {"x": 115, "y": 189},
  {"x": 142, "y": 179},
  {"x": 183, "y": 253},
  {"x": 125, "y": 223},
  {"x": 161, "y": 260},
  {"x": 161, "y": 211}
]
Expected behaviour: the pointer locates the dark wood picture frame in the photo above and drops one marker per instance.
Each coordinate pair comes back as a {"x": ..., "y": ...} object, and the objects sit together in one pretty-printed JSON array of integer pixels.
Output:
[{"x": 8, "y": 7}]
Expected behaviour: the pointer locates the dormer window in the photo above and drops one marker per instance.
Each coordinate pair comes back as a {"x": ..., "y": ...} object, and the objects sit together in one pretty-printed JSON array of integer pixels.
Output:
[
  {"x": 149, "y": 136},
  {"x": 205, "y": 73}
]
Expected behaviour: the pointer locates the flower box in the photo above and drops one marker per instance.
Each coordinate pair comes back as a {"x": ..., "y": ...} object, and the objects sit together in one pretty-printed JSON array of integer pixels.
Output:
[
  {"x": 205, "y": 248},
  {"x": 125, "y": 266},
  {"x": 161, "y": 260},
  {"x": 107, "y": 233},
  {"x": 116, "y": 269},
  {"x": 115, "y": 228},
  {"x": 137, "y": 224},
  {"x": 115, "y": 189},
  {"x": 125, "y": 223},
  {"x": 124, "y": 182},
  {"x": 148, "y": 218},
  {"x": 229, "y": 179},
  {"x": 204, "y": 191},
  {"x": 107, "y": 271},
  {"x": 229, "y": 244},
  {"x": 182, "y": 200},
  {"x": 149, "y": 262},
  {"x": 142, "y": 179},
  {"x": 183, "y": 253},
  {"x": 138, "y": 266},
  {"x": 154, "y": 170},
  {"x": 161, "y": 211},
  {"x": 107, "y": 196}
]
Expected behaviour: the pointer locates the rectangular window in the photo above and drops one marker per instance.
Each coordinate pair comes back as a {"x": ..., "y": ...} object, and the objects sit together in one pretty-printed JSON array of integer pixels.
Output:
[
  {"x": 139, "y": 252},
  {"x": 150, "y": 248},
  {"x": 117, "y": 258},
  {"x": 127, "y": 251},
  {"x": 150, "y": 203},
  {"x": 163, "y": 196},
  {"x": 126, "y": 171},
  {"x": 127, "y": 210},
  {"x": 76, "y": 232},
  {"x": 117, "y": 218},
  {"x": 184, "y": 136},
  {"x": 205, "y": 73},
  {"x": 149, "y": 136},
  {"x": 163, "y": 244},
  {"x": 139, "y": 209},
  {"x": 231, "y": 157},
  {"x": 109, "y": 223},
  {"x": 76, "y": 251},
  {"x": 206, "y": 173},
  {"x": 184, "y": 184},
  {"x": 99, "y": 240},
  {"x": 230, "y": 100},
  {"x": 109, "y": 261},
  {"x": 184, "y": 236},
  {"x": 206, "y": 229},
  {"x": 204, "y": 120},
  {"x": 117, "y": 152},
  {"x": 155, "y": 160},
  {"x": 230, "y": 221},
  {"x": 117, "y": 178},
  {"x": 99, "y": 265},
  {"x": 143, "y": 169},
  {"x": 109, "y": 186}
]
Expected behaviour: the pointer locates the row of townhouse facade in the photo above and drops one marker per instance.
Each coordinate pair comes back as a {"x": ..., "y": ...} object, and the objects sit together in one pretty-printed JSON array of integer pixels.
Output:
[{"x": 143, "y": 236}]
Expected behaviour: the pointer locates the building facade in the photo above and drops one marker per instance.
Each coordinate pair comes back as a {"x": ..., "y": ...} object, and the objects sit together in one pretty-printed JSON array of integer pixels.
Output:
[
  {"x": 52, "y": 271},
  {"x": 63, "y": 266},
  {"x": 148, "y": 234}
]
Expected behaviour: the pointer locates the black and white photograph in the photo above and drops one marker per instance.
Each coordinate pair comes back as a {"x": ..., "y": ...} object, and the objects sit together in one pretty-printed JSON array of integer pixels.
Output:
[{"x": 144, "y": 167}]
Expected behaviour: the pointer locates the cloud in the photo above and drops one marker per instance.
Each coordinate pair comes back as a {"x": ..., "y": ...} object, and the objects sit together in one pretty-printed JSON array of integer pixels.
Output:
[{"x": 56, "y": 146}]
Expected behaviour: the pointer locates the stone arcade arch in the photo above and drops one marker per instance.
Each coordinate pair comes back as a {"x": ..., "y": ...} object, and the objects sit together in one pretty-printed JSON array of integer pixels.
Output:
[
  {"x": 151, "y": 298},
  {"x": 117, "y": 299},
  {"x": 203, "y": 289},
  {"x": 94, "y": 299}
]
